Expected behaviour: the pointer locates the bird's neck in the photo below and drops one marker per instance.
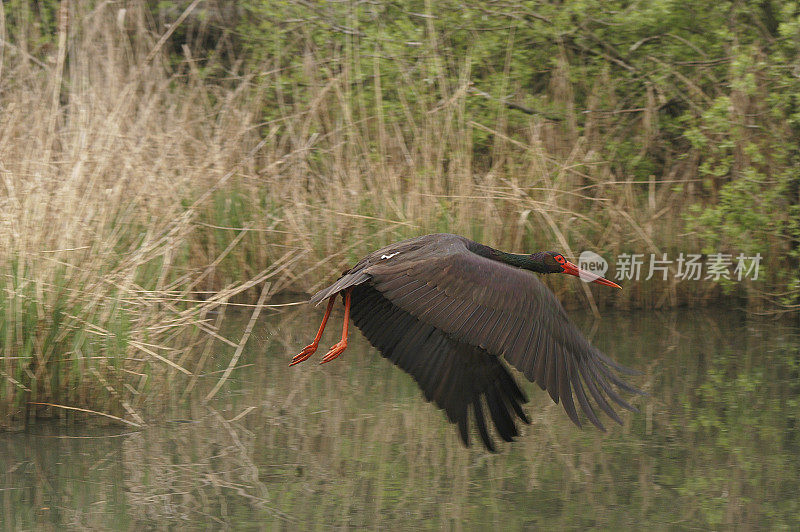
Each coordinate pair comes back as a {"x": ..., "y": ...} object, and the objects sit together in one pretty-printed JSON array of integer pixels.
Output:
[{"x": 528, "y": 262}]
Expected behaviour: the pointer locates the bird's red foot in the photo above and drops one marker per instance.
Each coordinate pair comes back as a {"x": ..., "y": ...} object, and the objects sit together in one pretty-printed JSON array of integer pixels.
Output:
[
  {"x": 335, "y": 350},
  {"x": 307, "y": 351}
]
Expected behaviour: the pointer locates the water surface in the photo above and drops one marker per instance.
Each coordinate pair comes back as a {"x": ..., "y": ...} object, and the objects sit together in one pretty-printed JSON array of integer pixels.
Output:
[{"x": 353, "y": 444}]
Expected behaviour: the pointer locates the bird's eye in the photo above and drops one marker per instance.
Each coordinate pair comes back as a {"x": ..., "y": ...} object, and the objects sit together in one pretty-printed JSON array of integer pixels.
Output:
[{"x": 560, "y": 259}]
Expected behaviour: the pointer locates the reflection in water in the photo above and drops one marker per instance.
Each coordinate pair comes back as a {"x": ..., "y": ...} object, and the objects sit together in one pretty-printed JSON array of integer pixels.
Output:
[{"x": 353, "y": 443}]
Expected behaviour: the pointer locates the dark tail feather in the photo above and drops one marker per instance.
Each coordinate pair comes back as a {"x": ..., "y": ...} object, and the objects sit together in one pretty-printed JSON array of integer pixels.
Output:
[{"x": 344, "y": 282}]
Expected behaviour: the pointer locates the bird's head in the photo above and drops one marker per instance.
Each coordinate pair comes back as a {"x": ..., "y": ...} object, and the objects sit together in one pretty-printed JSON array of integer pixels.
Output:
[{"x": 554, "y": 262}]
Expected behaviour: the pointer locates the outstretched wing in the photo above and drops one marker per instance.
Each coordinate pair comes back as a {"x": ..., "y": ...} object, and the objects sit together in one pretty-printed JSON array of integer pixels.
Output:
[
  {"x": 504, "y": 311},
  {"x": 455, "y": 375}
]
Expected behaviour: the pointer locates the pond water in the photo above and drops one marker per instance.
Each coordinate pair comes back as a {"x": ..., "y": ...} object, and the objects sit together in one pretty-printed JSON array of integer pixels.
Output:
[{"x": 353, "y": 444}]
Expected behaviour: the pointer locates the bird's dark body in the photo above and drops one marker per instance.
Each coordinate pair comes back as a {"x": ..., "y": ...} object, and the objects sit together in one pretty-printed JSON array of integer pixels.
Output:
[{"x": 444, "y": 309}]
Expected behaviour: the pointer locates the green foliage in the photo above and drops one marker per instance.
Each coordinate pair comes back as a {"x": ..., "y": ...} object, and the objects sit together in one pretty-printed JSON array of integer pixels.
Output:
[
  {"x": 750, "y": 161},
  {"x": 661, "y": 83}
]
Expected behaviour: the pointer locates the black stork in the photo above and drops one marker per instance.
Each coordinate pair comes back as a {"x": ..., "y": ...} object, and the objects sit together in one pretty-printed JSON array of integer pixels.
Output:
[{"x": 445, "y": 309}]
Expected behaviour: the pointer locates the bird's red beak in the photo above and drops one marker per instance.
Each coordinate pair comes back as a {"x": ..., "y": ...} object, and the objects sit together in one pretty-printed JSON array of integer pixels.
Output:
[{"x": 587, "y": 276}]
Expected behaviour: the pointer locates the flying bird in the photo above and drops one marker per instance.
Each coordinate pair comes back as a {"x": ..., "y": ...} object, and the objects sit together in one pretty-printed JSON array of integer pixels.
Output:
[{"x": 445, "y": 309}]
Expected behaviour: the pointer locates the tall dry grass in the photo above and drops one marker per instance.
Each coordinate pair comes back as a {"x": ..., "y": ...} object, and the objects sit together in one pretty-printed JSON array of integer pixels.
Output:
[
  {"x": 106, "y": 157},
  {"x": 139, "y": 195}
]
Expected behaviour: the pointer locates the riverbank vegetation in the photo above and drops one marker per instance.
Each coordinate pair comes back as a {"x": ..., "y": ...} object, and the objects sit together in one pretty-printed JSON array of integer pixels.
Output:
[{"x": 160, "y": 161}]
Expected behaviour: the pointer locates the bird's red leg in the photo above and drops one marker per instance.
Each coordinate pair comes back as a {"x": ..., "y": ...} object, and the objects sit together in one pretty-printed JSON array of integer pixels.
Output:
[
  {"x": 311, "y": 348},
  {"x": 339, "y": 347}
]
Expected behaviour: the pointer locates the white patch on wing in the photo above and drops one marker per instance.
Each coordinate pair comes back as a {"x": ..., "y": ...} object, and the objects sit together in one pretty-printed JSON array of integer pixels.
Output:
[{"x": 389, "y": 256}]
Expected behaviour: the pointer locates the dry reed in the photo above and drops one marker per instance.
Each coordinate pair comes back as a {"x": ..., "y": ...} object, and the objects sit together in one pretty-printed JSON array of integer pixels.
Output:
[{"x": 138, "y": 196}]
